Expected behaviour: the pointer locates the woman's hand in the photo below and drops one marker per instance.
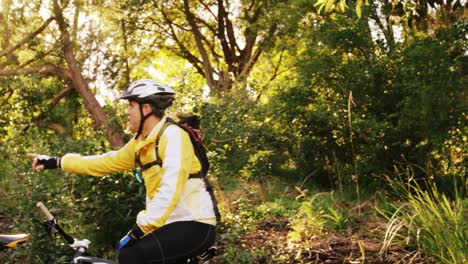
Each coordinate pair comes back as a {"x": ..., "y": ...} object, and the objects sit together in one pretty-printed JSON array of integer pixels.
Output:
[{"x": 43, "y": 162}]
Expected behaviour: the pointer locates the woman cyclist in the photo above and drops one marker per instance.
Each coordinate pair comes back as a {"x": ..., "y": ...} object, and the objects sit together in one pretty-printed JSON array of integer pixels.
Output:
[{"x": 179, "y": 218}]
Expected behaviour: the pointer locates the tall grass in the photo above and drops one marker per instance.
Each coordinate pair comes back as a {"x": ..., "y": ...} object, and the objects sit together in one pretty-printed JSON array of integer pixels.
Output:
[{"x": 431, "y": 224}]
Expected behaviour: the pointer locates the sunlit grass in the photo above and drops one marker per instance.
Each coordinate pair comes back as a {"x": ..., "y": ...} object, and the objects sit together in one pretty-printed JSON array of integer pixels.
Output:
[{"x": 431, "y": 224}]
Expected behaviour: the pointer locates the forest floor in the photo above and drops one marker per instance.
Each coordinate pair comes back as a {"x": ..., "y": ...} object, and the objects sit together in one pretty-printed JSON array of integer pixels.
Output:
[
  {"x": 5, "y": 222},
  {"x": 361, "y": 243},
  {"x": 267, "y": 242}
]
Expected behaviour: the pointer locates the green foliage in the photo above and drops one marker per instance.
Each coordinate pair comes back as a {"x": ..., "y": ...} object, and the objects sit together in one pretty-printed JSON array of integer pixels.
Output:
[
  {"x": 339, "y": 6},
  {"x": 307, "y": 223},
  {"x": 239, "y": 137},
  {"x": 109, "y": 205},
  {"x": 22, "y": 190},
  {"x": 451, "y": 164},
  {"x": 360, "y": 108},
  {"x": 239, "y": 256},
  {"x": 245, "y": 218},
  {"x": 317, "y": 214},
  {"x": 327, "y": 105},
  {"x": 99, "y": 209},
  {"x": 385, "y": 207},
  {"x": 337, "y": 220}
]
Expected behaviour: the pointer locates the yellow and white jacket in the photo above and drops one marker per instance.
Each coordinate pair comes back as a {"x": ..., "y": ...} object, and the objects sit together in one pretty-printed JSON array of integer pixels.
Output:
[{"x": 170, "y": 195}]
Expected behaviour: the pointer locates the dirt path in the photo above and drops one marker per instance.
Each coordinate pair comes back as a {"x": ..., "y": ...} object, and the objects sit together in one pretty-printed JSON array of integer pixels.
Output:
[{"x": 5, "y": 223}]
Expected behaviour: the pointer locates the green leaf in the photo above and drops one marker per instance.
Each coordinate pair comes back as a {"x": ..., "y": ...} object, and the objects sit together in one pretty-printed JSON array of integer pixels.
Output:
[
  {"x": 329, "y": 5},
  {"x": 342, "y": 6},
  {"x": 320, "y": 4},
  {"x": 358, "y": 8}
]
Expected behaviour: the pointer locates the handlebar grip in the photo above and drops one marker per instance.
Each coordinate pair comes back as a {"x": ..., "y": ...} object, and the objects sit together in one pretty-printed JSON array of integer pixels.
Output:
[{"x": 45, "y": 211}]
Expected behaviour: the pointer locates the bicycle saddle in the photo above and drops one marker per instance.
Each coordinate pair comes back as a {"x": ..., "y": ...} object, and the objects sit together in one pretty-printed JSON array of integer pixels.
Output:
[{"x": 10, "y": 241}]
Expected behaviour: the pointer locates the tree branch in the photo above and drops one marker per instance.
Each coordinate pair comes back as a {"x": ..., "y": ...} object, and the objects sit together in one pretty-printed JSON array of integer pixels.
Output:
[
  {"x": 275, "y": 74},
  {"x": 198, "y": 40},
  {"x": 247, "y": 67},
  {"x": 228, "y": 55},
  {"x": 9, "y": 94},
  {"x": 52, "y": 105},
  {"x": 207, "y": 8},
  {"x": 207, "y": 25},
  {"x": 54, "y": 102},
  {"x": 38, "y": 57},
  {"x": 43, "y": 70},
  {"x": 230, "y": 34},
  {"x": 27, "y": 38},
  {"x": 183, "y": 49},
  {"x": 79, "y": 83},
  {"x": 387, "y": 31}
]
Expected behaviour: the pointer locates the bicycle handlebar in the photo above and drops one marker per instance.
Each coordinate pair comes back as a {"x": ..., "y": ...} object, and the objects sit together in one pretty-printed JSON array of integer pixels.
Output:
[
  {"x": 53, "y": 224},
  {"x": 44, "y": 210},
  {"x": 80, "y": 246}
]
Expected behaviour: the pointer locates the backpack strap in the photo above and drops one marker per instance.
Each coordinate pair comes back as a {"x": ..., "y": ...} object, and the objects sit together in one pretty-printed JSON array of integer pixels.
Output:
[
  {"x": 200, "y": 152},
  {"x": 158, "y": 160}
]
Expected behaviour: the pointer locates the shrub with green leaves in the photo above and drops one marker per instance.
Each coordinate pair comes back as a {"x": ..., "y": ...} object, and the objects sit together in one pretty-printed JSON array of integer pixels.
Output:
[{"x": 316, "y": 214}]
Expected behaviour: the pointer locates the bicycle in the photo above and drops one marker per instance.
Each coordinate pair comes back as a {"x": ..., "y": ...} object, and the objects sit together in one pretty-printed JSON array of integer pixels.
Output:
[
  {"x": 81, "y": 246},
  {"x": 12, "y": 241},
  {"x": 51, "y": 226}
]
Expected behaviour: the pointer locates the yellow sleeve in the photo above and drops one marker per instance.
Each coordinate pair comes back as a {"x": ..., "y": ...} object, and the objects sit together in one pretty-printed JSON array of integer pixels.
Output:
[{"x": 101, "y": 165}]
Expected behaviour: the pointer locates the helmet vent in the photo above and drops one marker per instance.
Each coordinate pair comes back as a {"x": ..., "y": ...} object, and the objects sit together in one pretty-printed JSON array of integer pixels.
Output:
[{"x": 138, "y": 85}]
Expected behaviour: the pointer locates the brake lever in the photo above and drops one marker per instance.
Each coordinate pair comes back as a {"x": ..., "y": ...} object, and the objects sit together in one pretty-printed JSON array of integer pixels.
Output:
[{"x": 49, "y": 227}]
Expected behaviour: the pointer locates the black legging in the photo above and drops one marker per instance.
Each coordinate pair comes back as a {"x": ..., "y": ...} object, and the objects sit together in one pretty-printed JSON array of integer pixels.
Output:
[{"x": 171, "y": 243}]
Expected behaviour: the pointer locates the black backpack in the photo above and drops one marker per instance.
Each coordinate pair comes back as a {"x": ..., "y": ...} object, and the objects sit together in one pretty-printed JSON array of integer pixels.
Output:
[{"x": 200, "y": 152}]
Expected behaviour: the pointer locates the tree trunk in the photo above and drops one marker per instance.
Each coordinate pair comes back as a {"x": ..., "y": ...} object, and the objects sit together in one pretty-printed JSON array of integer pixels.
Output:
[{"x": 81, "y": 86}]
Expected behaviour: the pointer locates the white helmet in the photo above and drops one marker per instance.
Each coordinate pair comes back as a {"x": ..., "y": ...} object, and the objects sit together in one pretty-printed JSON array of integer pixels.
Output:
[{"x": 146, "y": 91}]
